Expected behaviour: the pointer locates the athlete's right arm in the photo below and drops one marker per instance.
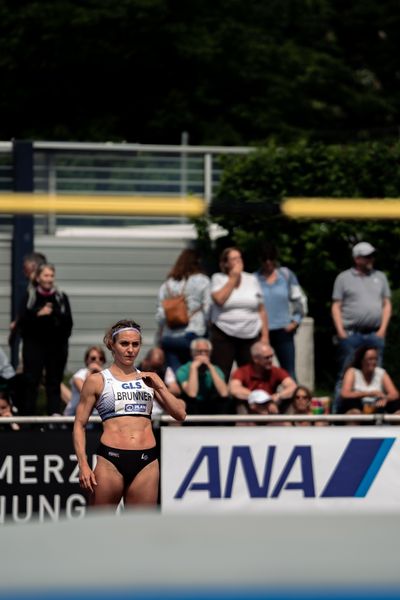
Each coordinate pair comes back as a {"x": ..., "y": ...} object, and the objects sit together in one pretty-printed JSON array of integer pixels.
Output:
[{"x": 89, "y": 394}]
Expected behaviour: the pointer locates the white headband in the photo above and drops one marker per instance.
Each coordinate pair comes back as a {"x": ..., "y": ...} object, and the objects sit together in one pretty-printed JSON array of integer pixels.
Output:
[{"x": 126, "y": 329}]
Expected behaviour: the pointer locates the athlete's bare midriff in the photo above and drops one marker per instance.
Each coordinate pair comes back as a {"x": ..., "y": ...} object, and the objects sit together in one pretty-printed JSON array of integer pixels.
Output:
[{"x": 128, "y": 433}]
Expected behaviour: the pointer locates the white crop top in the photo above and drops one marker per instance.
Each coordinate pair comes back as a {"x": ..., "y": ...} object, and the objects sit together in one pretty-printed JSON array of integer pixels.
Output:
[{"x": 124, "y": 398}]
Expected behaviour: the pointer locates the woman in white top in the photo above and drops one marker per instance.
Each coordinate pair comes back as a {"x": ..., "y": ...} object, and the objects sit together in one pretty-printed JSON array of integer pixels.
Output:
[
  {"x": 186, "y": 277},
  {"x": 238, "y": 315},
  {"x": 95, "y": 359},
  {"x": 367, "y": 387}
]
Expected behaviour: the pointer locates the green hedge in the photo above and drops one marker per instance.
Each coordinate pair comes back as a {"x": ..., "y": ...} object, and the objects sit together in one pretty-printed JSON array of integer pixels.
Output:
[{"x": 392, "y": 350}]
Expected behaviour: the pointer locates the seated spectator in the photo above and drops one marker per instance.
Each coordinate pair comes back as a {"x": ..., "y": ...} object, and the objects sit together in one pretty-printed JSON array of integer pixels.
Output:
[
  {"x": 7, "y": 371},
  {"x": 66, "y": 393},
  {"x": 202, "y": 384},
  {"x": 95, "y": 360},
  {"x": 301, "y": 405},
  {"x": 261, "y": 403},
  {"x": 11, "y": 383},
  {"x": 367, "y": 387},
  {"x": 261, "y": 374},
  {"x": 6, "y": 410},
  {"x": 155, "y": 361}
]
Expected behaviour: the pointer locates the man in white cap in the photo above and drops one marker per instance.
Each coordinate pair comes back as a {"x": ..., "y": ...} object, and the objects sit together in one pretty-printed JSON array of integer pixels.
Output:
[{"x": 361, "y": 308}]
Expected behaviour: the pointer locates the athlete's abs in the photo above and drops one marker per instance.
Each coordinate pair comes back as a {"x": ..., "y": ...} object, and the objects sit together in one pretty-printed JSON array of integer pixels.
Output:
[{"x": 127, "y": 433}]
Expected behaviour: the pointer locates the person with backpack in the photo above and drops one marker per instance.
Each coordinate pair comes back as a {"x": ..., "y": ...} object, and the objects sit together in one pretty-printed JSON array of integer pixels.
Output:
[
  {"x": 183, "y": 307},
  {"x": 286, "y": 305}
]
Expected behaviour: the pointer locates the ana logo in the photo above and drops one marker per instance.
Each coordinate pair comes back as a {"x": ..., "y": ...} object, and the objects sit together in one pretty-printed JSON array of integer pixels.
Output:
[{"x": 352, "y": 476}]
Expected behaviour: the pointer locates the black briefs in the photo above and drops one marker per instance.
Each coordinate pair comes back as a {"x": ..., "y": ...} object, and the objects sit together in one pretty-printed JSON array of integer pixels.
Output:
[{"x": 128, "y": 462}]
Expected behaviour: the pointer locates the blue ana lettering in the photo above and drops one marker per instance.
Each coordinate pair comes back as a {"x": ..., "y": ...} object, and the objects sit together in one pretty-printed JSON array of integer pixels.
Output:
[
  {"x": 303, "y": 453},
  {"x": 213, "y": 485},
  {"x": 241, "y": 455}
]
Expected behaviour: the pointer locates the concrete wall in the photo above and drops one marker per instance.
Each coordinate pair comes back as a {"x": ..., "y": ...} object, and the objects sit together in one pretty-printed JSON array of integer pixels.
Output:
[
  {"x": 5, "y": 288},
  {"x": 304, "y": 343}
]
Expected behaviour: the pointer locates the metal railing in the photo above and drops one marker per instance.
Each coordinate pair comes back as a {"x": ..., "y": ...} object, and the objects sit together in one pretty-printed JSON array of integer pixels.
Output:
[
  {"x": 375, "y": 419},
  {"x": 121, "y": 169}
]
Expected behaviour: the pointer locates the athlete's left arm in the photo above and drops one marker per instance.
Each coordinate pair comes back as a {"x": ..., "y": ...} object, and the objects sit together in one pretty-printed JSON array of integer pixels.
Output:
[
  {"x": 89, "y": 394},
  {"x": 173, "y": 405}
]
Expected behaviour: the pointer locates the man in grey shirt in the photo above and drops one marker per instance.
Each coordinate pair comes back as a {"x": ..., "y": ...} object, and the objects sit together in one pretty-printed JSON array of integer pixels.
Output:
[{"x": 361, "y": 307}]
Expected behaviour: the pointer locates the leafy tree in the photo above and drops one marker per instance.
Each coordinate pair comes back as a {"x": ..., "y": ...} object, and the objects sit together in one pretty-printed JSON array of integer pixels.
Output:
[{"x": 226, "y": 71}]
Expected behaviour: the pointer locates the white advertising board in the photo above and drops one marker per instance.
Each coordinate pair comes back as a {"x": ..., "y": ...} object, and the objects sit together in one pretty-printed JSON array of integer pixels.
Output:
[{"x": 256, "y": 469}]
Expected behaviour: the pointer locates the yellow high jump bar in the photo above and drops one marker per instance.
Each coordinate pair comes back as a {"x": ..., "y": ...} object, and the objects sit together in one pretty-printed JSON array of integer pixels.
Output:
[
  {"x": 26, "y": 203},
  {"x": 341, "y": 208}
]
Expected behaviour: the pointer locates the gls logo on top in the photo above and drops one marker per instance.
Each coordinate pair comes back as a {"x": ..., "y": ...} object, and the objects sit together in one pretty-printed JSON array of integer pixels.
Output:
[
  {"x": 131, "y": 385},
  {"x": 351, "y": 477}
]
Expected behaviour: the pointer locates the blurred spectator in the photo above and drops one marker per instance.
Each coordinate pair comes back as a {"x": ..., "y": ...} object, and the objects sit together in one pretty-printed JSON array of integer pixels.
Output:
[
  {"x": 367, "y": 387},
  {"x": 186, "y": 277},
  {"x": 301, "y": 404},
  {"x": 155, "y": 361},
  {"x": 261, "y": 403},
  {"x": 361, "y": 309},
  {"x": 45, "y": 324},
  {"x": 7, "y": 371},
  {"x": 95, "y": 359},
  {"x": 261, "y": 374},
  {"x": 284, "y": 303},
  {"x": 6, "y": 410},
  {"x": 202, "y": 384},
  {"x": 238, "y": 314},
  {"x": 30, "y": 264},
  {"x": 11, "y": 383}
]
